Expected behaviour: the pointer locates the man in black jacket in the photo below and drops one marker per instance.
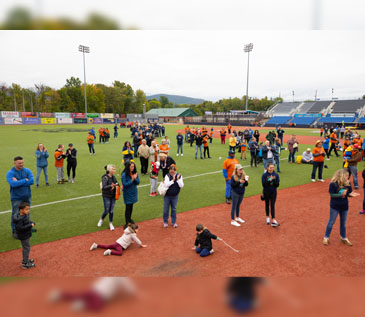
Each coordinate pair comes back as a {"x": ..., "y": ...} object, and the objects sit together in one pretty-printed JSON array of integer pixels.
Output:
[
  {"x": 23, "y": 229},
  {"x": 71, "y": 154},
  {"x": 198, "y": 145},
  {"x": 136, "y": 140}
]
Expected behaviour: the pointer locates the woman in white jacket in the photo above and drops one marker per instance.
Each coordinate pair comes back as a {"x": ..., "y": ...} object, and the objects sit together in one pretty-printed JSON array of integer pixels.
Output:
[{"x": 129, "y": 236}]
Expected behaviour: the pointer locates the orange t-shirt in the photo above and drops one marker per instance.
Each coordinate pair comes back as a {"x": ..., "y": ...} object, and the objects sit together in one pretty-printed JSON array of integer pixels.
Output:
[
  {"x": 205, "y": 141},
  {"x": 90, "y": 139},
  {"x": 58, "y": 163},
  {"x": 164, "y": 148},
  {"x": 319, "y": 158},
  {"x": 228, "y": 165},
  {"x": 101, "y": 131},
  {"x": 333, "y": 137}
]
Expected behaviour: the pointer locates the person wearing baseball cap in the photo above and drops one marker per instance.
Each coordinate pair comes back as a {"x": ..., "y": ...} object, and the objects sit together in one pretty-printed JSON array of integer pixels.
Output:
[
  {"x": 228, "y": 169},
  {"x": 352, "y": 164}
]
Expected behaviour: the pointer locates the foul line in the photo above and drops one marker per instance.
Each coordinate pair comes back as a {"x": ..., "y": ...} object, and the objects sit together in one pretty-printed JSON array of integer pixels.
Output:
[{"x": 99, "y": 194}]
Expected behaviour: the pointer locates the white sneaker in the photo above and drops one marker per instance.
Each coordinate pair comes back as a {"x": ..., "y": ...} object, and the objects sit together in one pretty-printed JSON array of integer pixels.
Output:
[
  {"x": 72, "y": 181},
  {"x": 211, "y": 251},
  {"x": 177, "y": 154},
  {"x": 267, "y": 221},
  {"x": 111, "y": 226},
  {"x": 108, "y": 252},
  {"x": 93, "y": 246},
  {"x": 327, "y": 159},
  {"x": 238, "y": 219},
  {"x": 90, "y": 153},
  {"x": 235, "y": 223},
  {"x": 321, "y": 180},
  {"x": 182, "y": 154},
  {"x": 100, "y": 223},
  {"x": 313, "y": 180}
]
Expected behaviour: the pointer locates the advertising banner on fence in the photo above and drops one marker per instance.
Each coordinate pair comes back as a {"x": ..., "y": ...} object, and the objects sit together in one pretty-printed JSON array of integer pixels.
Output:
[
  {"x": 93, "y": 115},
  {"x": 107, "y": 115},
  {"x": 80, "y": 120},
  {"x": 46, "y": 115},
  {"x": 65, "y": 120},
  {"x": 13, "y": 121},
  {"x": 77, "y": 115},
  {"x": 306, "y": 115},
  {"x": 62, "y": 115},
  {"x": 49, "y": 121},
  {"x": 1, "y": 121},
  {"x": 96, "y": 120},
  {"x": 32, "y": 121},
  {"x": 28, "y": 114},
  {"x": 108, "y": 120},
  {"x": 10, "y": 114}
]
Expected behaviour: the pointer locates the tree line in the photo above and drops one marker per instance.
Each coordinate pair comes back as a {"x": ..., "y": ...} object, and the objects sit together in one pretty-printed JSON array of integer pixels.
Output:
[{"x": 117, "y": 98}]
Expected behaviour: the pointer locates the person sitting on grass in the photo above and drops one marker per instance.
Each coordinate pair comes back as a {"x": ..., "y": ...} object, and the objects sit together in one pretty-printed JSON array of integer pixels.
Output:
[
  {"x": 129, "y": 236},
  {"x": 203, "y": 241},
  {"x": 24, "y": 229},
  {"x": 307, "y": 157}
]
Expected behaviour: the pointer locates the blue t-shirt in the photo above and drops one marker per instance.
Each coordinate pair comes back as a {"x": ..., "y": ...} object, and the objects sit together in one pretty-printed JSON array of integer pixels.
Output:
[
  {"x": 326, "y": 144},
  {"x": 179, "y": 139},
  {"x": 339, "y": 203}
]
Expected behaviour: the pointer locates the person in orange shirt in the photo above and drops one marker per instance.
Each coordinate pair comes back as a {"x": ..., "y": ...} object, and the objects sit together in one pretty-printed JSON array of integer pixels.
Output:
[
  {"x": 228, "y": 169},
  {"x": 229, "y": 127},
  {"x": 59, "y": 156},
  {"x": 318, "y": 161},
  {"x": 333, "y": 138},
  {"x": 106, "y": 135},
  {"x": 206, "y": 145},
  {"x": 211, "y": 135},
  {"x": 204, "y": 130},
  {"x": 90, "y": 143},
  {"x": 346, "y": 143},
  {"x": 187, "y": 132},
  {"x": 164, "y": 148},
  {"x": 223, "y": 135},
  {"x": 100, "y": 135}
]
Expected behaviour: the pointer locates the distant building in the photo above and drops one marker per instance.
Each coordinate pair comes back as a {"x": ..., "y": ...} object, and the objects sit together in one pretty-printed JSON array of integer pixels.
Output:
[{"x": 173, "y": 114}]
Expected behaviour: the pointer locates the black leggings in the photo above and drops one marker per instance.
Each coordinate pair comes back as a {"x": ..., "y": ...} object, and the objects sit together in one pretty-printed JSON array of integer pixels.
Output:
[
  {"x": 253, "y": 157},
  {"x": 327, "y": 153},
  {"x": 270, "y": 199},
  {"x": 206, "y": 149},
  {"x": 333, "y": 147},
  {"x": 71, "y": 165},
  {"x": 128, "y": 214}
]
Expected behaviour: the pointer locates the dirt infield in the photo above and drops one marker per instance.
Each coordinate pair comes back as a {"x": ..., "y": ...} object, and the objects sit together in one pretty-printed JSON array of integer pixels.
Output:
[
  {"x": 293, "y": 249},
  {"x": 302, "y": 139}
]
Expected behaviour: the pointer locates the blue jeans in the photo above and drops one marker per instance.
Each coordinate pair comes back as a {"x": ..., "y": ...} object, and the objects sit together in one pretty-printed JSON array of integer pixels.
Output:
[
  {"x": 91, "y": 147},
  {"x": 202, "y": 252},
  {"x": 228, "y": 189},
  {"x": 318, "y": 165},
  {"x": 136, "y": 150},
  {"x": 167, "y": 201},
  {"x": 15, "y": 209},
  {"x": 267, "y": 161},
  {"x": 236, "y": 204},
  {"x": 109, "y": 204},
  {"x": 39, "y": 171},
  {"x": 277, "y": 161},
  {"x": 291, "y": 155},
  {"x": 180, "y": 146},
  {"x": 332, "y": 220},
  {"x": 196, "y": 150},
  {"x": 353, "y": 171}
]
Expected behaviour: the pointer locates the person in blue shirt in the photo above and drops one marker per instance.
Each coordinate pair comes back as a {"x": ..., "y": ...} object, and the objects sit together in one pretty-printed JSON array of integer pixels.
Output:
[
  {"x": 180, "y": 141},
  {"x": 326, "y": 146},
  {"x": 20, "y": 179},
  {"x": 42, "y": 163},
  {"x": 115, "y": 131},
  {"x": 340, "y": 189},
  {"x": 92, "y": 131}
]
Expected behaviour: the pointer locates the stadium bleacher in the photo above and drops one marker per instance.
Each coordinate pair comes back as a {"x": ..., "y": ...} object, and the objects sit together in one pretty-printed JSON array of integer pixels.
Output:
[
  {"x": 319, "y": 106},
  {"x": 278, "y": 120},
  {"x": 284, "y": 108},
  {"x": 302, "y": 120},
  {"x": 361, "y": 120},
  {"x": 337, "y": 119},
  {"x": 306, "y": 106},
  {"x": 348, "y": 106}
]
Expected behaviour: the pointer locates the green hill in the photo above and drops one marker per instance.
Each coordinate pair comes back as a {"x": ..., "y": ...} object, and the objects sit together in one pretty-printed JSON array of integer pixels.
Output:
[{"x": 178, "y": 99}]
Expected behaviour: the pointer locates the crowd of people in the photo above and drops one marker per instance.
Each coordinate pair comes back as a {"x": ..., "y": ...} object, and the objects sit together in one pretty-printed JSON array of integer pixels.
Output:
[{"x": 156, "y": 158}]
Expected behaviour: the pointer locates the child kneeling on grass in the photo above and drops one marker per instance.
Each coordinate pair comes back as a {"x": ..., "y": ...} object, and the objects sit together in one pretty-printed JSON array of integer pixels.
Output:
[
  {"x": 129, "y": 236},
  {"x": 24, "y": 229},
  {"x": 203, "y": 241}
]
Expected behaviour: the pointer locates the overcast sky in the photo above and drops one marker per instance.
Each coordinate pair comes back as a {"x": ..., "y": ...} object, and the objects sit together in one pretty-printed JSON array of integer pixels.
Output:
[
  {"x": 209, "y": 14},
  {"x": 203, "y": 64}
]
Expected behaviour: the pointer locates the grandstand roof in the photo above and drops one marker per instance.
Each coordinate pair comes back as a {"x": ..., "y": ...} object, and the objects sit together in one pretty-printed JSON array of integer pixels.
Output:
[{"x": 173, "y": 112}]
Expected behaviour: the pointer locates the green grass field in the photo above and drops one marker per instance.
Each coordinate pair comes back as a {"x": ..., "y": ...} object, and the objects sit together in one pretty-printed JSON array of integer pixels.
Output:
[{"x": 67, "y": 219}]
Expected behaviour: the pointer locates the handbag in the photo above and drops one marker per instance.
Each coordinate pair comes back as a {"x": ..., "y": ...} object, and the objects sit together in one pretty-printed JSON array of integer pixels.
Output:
[
  {"x": 162, "y": 189},
  {"x": 117, "y": 192}
]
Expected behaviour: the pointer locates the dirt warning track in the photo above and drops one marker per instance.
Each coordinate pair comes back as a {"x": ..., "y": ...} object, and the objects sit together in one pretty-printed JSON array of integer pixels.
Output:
[{"x": 293, "y": 249}]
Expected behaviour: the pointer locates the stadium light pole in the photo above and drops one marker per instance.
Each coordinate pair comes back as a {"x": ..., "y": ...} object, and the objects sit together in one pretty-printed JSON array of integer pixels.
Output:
[
  {"x": 247, "y": 49},
  {"x": 84, "y": 49},
  {"x": 293, "y": 95}
]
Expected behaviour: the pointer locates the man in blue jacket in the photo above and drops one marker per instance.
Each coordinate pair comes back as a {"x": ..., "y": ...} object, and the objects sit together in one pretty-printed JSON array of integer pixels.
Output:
[{"x": 20, "y": 179}]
